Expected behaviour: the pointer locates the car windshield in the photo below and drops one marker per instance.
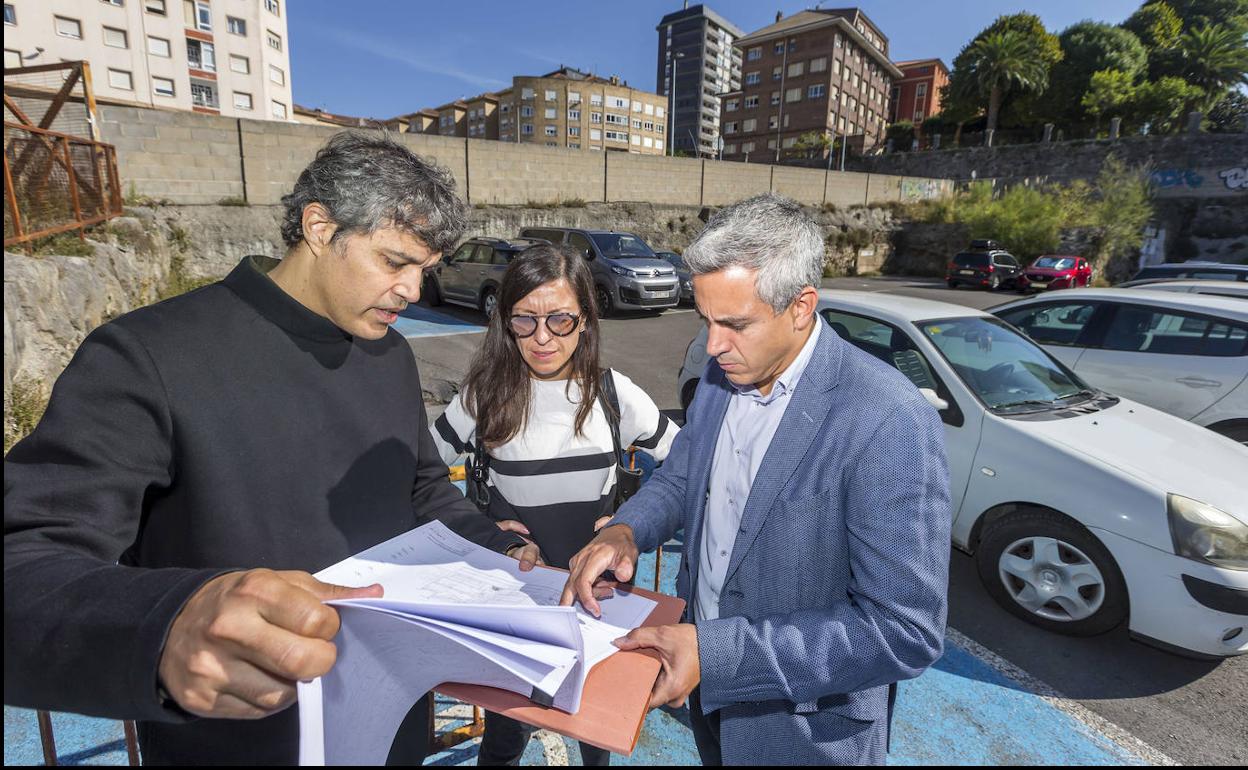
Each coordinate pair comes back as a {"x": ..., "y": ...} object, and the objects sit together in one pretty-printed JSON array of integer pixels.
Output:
[
  {"x": 1007, "y": 371},
  {"x": 1055, "y": 263},
  {"x": 674, "y": 259},
  {"x": 622, "y": 245},
  {"x": 971, "y": 260}
]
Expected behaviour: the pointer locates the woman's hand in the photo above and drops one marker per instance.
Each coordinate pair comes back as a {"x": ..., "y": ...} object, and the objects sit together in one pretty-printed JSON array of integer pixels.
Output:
[
  {"x": 512, "y": 525},
  {"x": 600, "y": 523}
]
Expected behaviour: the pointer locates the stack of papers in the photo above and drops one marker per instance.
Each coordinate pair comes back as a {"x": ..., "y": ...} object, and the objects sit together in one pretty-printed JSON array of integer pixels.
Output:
[{"x": 452, "y": 611}]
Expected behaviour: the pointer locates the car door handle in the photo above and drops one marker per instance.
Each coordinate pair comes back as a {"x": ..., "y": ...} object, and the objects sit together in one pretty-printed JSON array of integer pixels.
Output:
[{"x": 1199, "y": 382}]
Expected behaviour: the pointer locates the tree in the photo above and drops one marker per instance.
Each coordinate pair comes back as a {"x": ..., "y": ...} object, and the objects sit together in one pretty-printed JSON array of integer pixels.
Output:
[
  {"x": 961, "y": 102},
  {"x": 1214, "y": 59},
  {"x": 1198, "y": 13},
  {"x": 902, "y": 135},
  {"x": 1162, "y": 104},
  {"x": 1108, "y": 93},
  {"x": 1228, "y": 115},
  {"x": 1001, "y": 62},
  {"x": 1156, "y": 25},
  {"x": 813, "y": 143},
  {"x": 1090, "y": 47}
]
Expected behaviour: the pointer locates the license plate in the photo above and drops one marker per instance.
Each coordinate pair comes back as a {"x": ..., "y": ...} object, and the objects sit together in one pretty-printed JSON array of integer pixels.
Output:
[
  {"x": 966, "y": 272},
  {"x": 662, "y": 293},
  {"x": 1040, "y": 284}
]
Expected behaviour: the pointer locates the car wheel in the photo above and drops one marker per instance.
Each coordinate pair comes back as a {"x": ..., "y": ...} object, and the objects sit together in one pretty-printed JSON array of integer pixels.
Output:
[
  {"x": 1050, "y": 571},
  {"x": 429, "y": 291},
  {"x": 603, "y": 297},
  {"x": 994, "y": 282},
  {"x": 489, "y": 303},
  {"x": 952, "y": 284}
]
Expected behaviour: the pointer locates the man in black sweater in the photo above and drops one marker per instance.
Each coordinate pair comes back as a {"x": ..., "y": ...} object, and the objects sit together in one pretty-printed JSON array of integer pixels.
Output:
[{"x": 199, "y": 458}]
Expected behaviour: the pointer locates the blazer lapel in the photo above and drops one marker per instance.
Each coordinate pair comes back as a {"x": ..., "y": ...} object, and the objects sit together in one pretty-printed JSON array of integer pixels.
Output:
[
  {"x": 801, "y": 425},
  {"x": 698, "y": 481}
]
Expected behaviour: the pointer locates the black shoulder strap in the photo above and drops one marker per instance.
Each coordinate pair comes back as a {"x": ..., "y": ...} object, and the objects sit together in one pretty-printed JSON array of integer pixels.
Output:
[{"x": 611, "y": 405}]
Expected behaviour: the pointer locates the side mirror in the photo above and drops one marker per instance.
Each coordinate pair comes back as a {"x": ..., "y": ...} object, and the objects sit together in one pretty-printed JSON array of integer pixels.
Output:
[{"x": 936, "y": 401}]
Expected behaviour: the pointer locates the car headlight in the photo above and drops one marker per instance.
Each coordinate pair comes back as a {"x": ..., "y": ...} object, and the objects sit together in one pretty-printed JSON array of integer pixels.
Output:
[
  {"x": 623, "y": 271},
  {"x": 1205, "y": 534},
  {"x": 686, "y": 284}
]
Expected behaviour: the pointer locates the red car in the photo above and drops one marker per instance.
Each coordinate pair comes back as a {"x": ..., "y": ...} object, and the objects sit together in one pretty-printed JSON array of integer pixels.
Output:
[{"x": 1056, "y": 272}]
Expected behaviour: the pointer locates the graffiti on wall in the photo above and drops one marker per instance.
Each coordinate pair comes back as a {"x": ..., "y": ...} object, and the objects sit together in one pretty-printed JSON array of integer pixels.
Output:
[
  {"x": 1174, "y": 182},
  {"x": 919, "y": 189}
]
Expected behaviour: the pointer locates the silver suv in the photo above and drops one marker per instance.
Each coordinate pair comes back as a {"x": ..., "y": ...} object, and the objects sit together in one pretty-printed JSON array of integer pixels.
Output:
[{"x": 628, "y": 275}]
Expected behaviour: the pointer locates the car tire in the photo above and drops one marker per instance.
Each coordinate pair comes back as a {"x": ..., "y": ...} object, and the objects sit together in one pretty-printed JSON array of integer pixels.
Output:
[
  {"x": 430, "y": 293},
  {"x": 489, "y": 302},
  {"x": 602, "y": 296},
  {"x": 952, "y": 284},
  {"x": 1049, "y": 570}
]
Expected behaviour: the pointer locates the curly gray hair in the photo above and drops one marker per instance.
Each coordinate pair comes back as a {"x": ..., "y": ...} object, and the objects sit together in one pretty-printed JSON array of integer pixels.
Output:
[{"x": 370, "y": 181}]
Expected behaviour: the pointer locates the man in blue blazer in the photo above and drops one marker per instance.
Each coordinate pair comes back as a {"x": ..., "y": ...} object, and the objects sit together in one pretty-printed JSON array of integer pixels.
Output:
[{"x": 811, "y": 484}]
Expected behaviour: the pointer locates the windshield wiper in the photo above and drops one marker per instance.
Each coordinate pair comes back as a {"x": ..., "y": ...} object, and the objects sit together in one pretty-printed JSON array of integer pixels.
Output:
[{"x": 1027, "y": 402}]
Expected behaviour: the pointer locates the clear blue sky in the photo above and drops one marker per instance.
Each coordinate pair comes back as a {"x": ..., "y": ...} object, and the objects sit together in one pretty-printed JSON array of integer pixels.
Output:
[{"x": 381, "y": 58}]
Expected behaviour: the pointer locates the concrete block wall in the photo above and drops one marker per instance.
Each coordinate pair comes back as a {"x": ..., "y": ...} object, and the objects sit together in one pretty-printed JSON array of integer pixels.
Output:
[
  {"x": 724, "y": 182},
  {"x": 882, "y": 188},
  {"x": 654, "y": 179},
  {"x": 846, "y": 188},
  {"x": 804, "y": 185},
  {"x": 509, "y": 174},
  {"x": 184, "y": 157}
]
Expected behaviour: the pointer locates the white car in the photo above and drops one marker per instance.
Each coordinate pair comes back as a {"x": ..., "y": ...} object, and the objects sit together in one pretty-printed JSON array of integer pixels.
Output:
[
  {"x": 1185, "y": 354},
  {"x": 1185, "y": 286},
  {"x": 1082, "y": 509}
]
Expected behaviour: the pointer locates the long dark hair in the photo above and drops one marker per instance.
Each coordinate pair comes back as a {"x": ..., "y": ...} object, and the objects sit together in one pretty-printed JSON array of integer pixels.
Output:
[{"x": 498, "y": 388}]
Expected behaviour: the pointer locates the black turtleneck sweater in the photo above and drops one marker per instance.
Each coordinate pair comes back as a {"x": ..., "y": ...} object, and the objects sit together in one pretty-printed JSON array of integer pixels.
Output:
[{"x": 228, "y": 428}]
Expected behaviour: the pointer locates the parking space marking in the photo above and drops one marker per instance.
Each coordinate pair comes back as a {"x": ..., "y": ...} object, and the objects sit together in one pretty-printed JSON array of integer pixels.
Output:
[{"x": 417, "y": 321}]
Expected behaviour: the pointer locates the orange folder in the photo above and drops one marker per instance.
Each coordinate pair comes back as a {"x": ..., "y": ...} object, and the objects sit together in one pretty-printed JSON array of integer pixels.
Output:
[{"x": 613, "y": 703}]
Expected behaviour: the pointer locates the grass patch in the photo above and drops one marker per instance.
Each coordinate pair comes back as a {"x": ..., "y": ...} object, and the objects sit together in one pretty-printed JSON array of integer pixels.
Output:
[
  {"x": 132, "y": 198},
  {"x": 27, "y": 402},
  {"x": 62, "y": 245},
  {"x": 179, "y": 281},
  {"x": 233, "y": 200}
]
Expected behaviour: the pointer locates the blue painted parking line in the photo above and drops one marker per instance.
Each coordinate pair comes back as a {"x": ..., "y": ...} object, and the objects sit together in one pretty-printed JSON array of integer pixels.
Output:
[
  {"x": 971, "y": 708},
  {"x": 417, "y": 321}
]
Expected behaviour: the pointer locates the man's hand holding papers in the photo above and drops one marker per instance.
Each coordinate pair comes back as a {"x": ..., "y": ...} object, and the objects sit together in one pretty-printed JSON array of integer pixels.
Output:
[{"x": 611, "y": 549}]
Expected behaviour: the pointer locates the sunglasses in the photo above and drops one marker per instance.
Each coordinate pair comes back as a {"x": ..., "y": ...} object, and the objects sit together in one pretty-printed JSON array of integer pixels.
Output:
[{"x": 558, "y": 324}]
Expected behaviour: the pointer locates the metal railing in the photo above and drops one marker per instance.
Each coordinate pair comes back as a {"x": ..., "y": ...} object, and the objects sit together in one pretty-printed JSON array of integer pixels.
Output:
[{"x": 55, "y": 183}]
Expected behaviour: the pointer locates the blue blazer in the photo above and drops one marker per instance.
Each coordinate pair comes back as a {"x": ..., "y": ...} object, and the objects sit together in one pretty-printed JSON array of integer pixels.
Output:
[{"x": 836, "y": 587}]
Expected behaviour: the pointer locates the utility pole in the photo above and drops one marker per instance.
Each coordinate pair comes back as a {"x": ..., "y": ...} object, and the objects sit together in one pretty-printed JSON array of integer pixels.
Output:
[{"x": 784, "y": 71}]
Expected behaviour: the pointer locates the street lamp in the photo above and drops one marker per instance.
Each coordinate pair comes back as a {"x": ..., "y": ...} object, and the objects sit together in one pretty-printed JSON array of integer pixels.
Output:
[{"x": 671, "y": 102}]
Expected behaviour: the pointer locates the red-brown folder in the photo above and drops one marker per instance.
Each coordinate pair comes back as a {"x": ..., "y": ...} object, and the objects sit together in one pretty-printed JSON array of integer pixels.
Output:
[{"x": 613, "y": 703}]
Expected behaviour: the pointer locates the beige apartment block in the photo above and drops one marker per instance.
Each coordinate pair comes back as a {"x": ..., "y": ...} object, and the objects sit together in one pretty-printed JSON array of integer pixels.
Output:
[
  {"x": 573, "y": 109},
  {"x": 483, "y": 116},
  {"x": 420, "y": 122},
  {"x": 219, "y": 57},
  {"x": 453, "y": 118}
]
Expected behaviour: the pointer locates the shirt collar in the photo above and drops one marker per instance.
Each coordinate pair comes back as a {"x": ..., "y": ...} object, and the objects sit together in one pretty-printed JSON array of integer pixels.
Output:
[
  {"x": 788, "y": 379},
  {"x": 251, "y": 282}
]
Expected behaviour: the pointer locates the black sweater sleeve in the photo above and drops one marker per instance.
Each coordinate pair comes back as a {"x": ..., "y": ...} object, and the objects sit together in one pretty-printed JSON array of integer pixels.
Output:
[{"x": 82, "y": 632}]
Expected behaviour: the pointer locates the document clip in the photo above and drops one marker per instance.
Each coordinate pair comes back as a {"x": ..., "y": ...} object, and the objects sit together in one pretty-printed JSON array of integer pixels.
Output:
[{"x": 542, "y": 698}]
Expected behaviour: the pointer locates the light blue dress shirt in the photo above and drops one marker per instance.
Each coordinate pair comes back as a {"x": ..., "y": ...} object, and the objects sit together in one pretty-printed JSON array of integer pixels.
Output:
[{"x": 746, "y": 433}]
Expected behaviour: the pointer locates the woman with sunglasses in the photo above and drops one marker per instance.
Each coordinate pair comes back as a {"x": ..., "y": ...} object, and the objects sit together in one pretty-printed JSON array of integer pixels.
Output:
[{"x": 533, "y": 401}]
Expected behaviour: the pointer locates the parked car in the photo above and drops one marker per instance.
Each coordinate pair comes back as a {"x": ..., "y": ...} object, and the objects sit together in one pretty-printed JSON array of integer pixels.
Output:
[
  {"x": 682, "y": 274},
  {"x": 1185, "y": 286},
  {"x": 1081, "y": 509},
  {"x": 627, "y": 273},
  {"x": 472, "y": 274},
  {"x": 1184, "y": 354},
  {"x": 993, "y": 269},
  {"x": 1194, "y": 269},
  {"x": 1056, "y": 272}
]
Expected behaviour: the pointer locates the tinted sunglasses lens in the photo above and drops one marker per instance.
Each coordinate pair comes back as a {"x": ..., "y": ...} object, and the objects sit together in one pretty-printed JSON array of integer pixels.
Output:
[
  {"x": 561, "y": 324},
  {"x": 523, "y": 325}
]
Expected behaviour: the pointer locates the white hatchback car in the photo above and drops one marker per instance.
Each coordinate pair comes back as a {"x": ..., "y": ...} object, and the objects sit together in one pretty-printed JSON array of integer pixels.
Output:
[
  {"x": 1185, "y": 354},
  {"x": 1082, "y": 509}
]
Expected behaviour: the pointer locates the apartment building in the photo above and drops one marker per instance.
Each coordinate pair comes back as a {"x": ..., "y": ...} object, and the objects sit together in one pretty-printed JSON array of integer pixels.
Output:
[
  {"x": 453, "y": 118},
  {"x": 916, "y": 94},
  {"x": 419, "y": 122},
  {"x": 222, "y": 57},
  {"x": 825, "y": 71},
  {"x": 569, "y": 108},
  {"x": 483, "y": 116},
  {"x": 696, "y": 45}
]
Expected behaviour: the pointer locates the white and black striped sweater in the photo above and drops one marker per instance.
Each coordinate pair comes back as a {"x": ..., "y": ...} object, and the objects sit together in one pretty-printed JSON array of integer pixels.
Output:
[{"x": 556, "y": 482}]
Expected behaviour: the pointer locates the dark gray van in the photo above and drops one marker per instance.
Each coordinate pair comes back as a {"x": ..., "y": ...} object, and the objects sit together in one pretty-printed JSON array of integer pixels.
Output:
[{"x": 628, "y": 275}]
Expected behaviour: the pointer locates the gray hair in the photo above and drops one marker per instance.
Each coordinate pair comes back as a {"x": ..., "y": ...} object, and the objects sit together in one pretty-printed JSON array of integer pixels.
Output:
[
  {"x": 369, "y": 181},
  {"x": 767, "y": 233}
]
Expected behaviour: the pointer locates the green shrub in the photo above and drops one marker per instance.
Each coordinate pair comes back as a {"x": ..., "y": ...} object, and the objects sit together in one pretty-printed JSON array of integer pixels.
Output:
[
  {"x": 27, "y": 402},
  {"x": 233, "y": 200},
  {"x": 62, "y": 245}
]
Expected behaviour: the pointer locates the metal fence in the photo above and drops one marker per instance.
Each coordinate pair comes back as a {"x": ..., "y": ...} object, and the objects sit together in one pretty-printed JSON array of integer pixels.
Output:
[{"x": 54, "y": 183}]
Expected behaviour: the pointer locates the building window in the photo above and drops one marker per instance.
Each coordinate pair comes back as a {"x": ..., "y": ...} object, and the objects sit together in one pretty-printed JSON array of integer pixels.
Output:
[
  {"x": 648, "y": 125},
  {"x": 775, "y": 98},
  {"x": 162, "y": 86},
  {"x": 574, "y": 97},
  {"x": 155, "y": 6},
  {"x": 552, "y": 131},
  {"x": 819, "y": 65},
  {"x": 574, "y": 145},
  {"x": 853, "y": 128},
  {"x": 618, "y": 120},
  {"x": 778, "y": 47},
  {"x": 201, "y": 56},
  {"x": 279, "y": 110},
  {"x": 550, "y": 113},
  {"x": 773, "y": 122},
  {"x": 838, "y": 42},
  {"x": 242, "y": 101},
  {"x": 506, "y": 108},
  {"x": 730, "y": 149},
  {"x": 792, "y": 45},
  {"x": 636, "y": 124},
  {"x": 275, "y": 40},
  {"x": 71, "y": 28},
  {"x": 121, "y": 80},
  {"x": 574, "y": 130},
  {"x": 732, "y": 105},
  {"x": 749, "y": 126},
  {"x": 526, "y": 128},
  {"x": 797, "y": 69},
  {"x": 158, "y": 46},
  {"x": 771, "y": 144},
  {"x": 647, "y": 142},
  {"x": 658, "y": 112},
  {"x": 595, "y": 100},
  {"x": 574, "y": 114},
  {"x": 617, "y": 136},
  {"x": 754, "y": 54},
  {"x": 276, "y": 75},
  {"x": 649, "y": 109},
  {"x": 198, "y": 14},
  {"x": 526, "y": 93},
  {"x": 526, "y": 111},
  {"x": 747, "y": 147},
  {"x": 751, "y": 79},
  {"x": 273, "y": 7},
  {"x": 595, "y": 135},
  {"x": 817, "y": 91},
  {"x": 551, "y": 96},
  {"x": 203, "y": 95},
  {"x": 788, "y": 142},
  {"x": 730, "y": 128},
  {"x": 618, "y": 103},
  {"x": 595, "y": 117},
  {"x": 918, "y": 116},
  {"x": 236, "y": 26},
  {"x": 115, "y": 38},
  {"x": 117, "y": 3},
  {"x": 636, "y": 106},
  {"x": 240, "y": 64},
  {"x": 751, "y": 102}
]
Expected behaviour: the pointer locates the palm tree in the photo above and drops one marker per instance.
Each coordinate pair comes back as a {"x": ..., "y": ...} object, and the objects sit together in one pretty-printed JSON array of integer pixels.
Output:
[
  {"x": 1215, "y": 58},
  {"x": 1001, "y": 62}
]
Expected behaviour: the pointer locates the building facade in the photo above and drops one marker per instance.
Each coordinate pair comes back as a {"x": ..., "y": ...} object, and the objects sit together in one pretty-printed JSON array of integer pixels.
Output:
[
  {"x": 222, "y": 57},
  {"x": 825, "y": 72},
  {"x": 569, "y": 108},
  {"x": 915, "y": 96},
  {"x": 697, "y": 46},
  {"x": 453, "y": 118},
  {"x": 483, "y": 116}
]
